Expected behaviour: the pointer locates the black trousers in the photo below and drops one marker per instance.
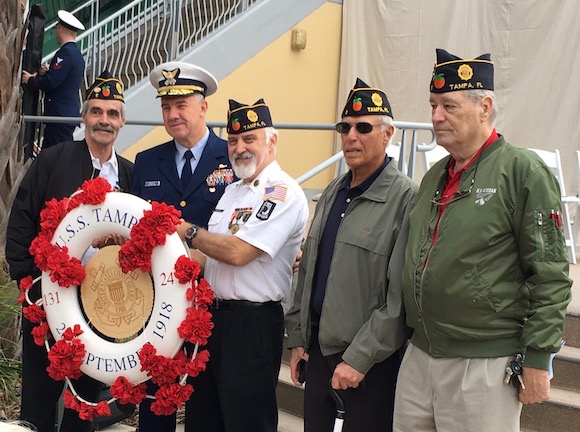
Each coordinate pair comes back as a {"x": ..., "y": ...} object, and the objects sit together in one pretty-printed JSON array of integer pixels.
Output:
[
  {"x": 368, "y": 408},
  {"x": 150, "y": 422},
  {"x": 55, "y": 133},
  {"x": 237, "y": 392},
  {"x": 40, "y": 393}
]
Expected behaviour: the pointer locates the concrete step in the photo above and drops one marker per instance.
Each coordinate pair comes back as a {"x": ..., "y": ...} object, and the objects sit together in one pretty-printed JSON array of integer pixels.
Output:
[
  {"x": 572, "y": 328},
  {"x": 555, "y": 415},
  {"x": 567, "y": 369},
  {"x": 290, "y": 398},
  {"x": 559, "y": 414},
  {"x": 287, "y": 422}
]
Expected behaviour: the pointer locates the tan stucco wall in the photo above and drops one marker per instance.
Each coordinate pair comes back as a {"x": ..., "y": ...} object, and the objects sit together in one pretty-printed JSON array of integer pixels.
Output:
[{"x": 298, "y": 86}]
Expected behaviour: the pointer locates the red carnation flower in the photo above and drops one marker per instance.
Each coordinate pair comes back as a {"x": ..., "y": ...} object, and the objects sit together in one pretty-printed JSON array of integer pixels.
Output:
[
  {"x": 170, "y": 398},
  {"x": 66, "y": 357},
  {"x": 26, "y": 283},
  {"x": 52, "y": 215},
  {"x": 196, "y": 328},
  {"x": 40, "y": 333},
  {"x": 34, "y": 313},
  {"x": 126, "y": 393},
  {"x": 198, "y": 364},
  {"x": 186, "y": 270},
  {"x": 91, "y": 192},
  {"x": 203, "y": 293},
  {"x": 40, "y": 249}
]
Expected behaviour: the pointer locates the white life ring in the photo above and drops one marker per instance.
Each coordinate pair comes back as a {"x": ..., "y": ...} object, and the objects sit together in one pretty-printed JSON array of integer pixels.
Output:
[{"x": 105, "y": 360}]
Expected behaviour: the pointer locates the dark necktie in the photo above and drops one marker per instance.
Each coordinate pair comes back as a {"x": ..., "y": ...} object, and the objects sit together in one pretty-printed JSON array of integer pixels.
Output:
[{"x": 186, "y": 172}]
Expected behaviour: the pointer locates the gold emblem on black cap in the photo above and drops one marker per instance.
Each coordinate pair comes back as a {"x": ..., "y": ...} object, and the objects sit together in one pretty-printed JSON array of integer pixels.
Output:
[
  {"x": 377, "y": 99},
  {"x": 252, "y": 116},
  {"x": 465, "y": 72},
  {"x": 170, "y": 76}
]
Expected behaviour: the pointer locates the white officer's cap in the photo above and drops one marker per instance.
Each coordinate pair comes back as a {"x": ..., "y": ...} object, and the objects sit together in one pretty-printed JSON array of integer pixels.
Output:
[
  {"x": 69, "y": 21},
  {"x": 182, "y": 79}
]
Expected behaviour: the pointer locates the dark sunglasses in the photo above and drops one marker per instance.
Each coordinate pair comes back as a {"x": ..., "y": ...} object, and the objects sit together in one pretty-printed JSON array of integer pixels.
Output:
[{"x": 361, "y": 127}]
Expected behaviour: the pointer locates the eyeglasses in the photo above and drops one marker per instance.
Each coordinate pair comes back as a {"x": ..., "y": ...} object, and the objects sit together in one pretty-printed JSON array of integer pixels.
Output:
[
  {"x": 361, "y": 127},
  {"x": 446, "y": 199}
]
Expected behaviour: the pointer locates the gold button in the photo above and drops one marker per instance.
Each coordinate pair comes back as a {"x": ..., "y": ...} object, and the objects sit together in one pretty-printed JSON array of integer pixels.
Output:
[
  {"x": 212, "y": 189},
  {"x": 256, "y": 182},
  {"x": 182, "y": 203}
]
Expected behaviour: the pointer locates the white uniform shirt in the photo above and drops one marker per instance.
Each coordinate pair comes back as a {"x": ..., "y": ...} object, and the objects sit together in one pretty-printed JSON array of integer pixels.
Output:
[{"x": 269, "y": 213}]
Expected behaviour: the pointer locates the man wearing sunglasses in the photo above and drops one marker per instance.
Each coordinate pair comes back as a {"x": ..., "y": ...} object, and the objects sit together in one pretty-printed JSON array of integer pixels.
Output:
[
  {"x": 347, "y": 319},
  {"x": 486, "y": 280}
]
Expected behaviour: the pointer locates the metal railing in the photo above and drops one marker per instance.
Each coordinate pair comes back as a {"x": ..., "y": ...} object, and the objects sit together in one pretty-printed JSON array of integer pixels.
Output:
[
  {"x": 408, "y": 143},
  {"x": 145, "y": 33}
]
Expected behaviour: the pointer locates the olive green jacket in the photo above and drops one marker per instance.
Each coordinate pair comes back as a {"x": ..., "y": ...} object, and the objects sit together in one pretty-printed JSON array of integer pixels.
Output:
[
  {"x": 362, "y": 313},
  {"x": 496, "y": 280}
]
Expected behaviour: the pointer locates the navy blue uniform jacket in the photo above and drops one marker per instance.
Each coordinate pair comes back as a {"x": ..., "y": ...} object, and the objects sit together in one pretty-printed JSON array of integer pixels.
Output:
[
  {"x": 155, "y": 178},
  {"x": 62, "y": 82}
]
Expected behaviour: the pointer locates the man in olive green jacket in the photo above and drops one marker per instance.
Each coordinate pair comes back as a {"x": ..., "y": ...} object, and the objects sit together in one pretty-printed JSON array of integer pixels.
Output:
[
  {"x": 486, "y": 274},
  {"x": 347, "y": 318}
]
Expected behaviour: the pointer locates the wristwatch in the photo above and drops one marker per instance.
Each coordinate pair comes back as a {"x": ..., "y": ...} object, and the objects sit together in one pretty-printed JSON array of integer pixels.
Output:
[{"x": 190, "y": 234}]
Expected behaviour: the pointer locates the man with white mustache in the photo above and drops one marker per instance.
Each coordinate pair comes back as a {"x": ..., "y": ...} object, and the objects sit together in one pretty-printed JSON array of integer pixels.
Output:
[{"x": 247, "y": 254}]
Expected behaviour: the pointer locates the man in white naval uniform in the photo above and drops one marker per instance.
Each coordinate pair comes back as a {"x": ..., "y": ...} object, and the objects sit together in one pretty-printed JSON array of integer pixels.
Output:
[{"x": 247, "y": 254}]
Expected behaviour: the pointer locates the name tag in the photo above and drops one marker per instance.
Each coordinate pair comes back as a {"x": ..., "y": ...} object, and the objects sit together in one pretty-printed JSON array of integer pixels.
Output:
[{"x": 152, "y": 183}]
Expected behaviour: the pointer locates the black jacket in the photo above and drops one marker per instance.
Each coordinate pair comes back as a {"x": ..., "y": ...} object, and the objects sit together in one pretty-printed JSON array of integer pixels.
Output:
[{"x": 56, "y": 173}]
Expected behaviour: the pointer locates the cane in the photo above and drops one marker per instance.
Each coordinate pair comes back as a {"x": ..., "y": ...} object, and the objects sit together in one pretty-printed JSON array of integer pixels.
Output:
[{"x": 340, "y": 410}]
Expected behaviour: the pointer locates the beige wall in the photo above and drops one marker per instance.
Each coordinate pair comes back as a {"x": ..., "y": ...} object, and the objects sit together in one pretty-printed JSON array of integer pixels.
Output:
[{"x": 298, "y": 86}]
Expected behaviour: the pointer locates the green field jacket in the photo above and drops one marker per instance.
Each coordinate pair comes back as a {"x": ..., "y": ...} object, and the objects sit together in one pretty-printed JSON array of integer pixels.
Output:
[{"x": 496, "y": 280}]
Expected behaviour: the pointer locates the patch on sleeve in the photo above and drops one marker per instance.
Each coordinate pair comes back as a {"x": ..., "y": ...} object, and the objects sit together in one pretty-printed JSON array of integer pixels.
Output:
[
  {"x": 266, "y": 210},
  {"x": 275, "y": 192}
]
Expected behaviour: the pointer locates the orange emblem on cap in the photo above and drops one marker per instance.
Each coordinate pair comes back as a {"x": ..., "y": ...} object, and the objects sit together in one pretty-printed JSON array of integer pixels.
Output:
[{"x": 438, "y": 81}]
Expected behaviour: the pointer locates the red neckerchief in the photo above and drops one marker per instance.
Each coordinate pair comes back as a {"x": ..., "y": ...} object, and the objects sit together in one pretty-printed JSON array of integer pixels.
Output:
[{"x": 452, "y": 182}]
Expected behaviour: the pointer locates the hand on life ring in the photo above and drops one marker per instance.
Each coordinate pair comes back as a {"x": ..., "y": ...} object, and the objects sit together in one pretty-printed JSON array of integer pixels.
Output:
[{"x": 115, "y": 300}]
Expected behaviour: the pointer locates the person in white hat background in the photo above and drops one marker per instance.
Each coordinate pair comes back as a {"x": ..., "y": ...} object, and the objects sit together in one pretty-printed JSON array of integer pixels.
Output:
[
  {"x": 61, "y": 81},
  {"x": 189, "y": 172}
]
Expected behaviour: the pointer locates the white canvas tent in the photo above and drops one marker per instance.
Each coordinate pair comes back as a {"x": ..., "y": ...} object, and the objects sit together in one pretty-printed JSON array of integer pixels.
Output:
[{"x": 535, "y": 45}]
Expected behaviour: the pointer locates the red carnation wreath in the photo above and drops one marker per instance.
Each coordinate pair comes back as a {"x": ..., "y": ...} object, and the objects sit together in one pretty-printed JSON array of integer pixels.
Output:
[{"x": 67, "y": 354}]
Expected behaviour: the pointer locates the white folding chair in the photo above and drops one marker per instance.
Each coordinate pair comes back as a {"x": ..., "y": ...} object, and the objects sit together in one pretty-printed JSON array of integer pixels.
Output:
[
  {"x": 552, "y": 159},
  {"x": 431, "y": 157},
  {"x": 394, "y": 151}
]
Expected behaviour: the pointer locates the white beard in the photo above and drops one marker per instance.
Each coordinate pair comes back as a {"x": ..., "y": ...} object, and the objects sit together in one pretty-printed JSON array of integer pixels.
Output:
[{"x": 244, "y": 171}]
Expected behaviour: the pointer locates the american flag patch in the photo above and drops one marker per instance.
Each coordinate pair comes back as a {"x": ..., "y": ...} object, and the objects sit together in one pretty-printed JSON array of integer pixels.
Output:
[{"x": 275, "y": 192}]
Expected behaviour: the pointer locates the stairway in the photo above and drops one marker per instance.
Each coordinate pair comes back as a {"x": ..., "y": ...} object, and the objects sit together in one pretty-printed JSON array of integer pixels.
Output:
[
  {"x": 562, "y": 412},
  {"x": 290, "y": 397},
  {"x": 559, "y": 414}
]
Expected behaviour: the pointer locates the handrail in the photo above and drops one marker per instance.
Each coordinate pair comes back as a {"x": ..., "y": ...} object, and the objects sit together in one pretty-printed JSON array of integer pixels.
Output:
[
  {"x": 407, "y": 129},
  {"x": 144, "y": 33}
]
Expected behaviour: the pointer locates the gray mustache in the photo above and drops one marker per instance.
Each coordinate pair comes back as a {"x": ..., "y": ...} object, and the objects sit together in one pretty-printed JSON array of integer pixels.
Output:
[
  {"x": 244, "y": 155},
  {"x": 104, "y": 128}
]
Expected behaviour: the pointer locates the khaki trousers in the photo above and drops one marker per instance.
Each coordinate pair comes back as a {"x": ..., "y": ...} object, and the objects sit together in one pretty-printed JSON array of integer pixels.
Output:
[{"x": 454, "y": 395}]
